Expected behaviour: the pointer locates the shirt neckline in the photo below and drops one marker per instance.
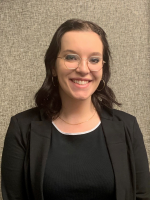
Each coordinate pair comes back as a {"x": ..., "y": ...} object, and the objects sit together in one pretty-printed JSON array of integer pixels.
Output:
[{"x": 79, "y": 133}]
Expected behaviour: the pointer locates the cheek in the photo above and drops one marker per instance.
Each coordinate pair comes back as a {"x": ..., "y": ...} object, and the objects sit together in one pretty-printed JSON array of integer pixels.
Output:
[
  {"x": 98, "y": 75},
  {"x": 98, "y": 78},
  {"x": 62, "y": 78}
]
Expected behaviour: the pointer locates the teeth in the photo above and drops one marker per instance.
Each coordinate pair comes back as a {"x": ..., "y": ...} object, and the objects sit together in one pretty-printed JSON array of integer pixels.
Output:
[{"x": 80, "y": 82}]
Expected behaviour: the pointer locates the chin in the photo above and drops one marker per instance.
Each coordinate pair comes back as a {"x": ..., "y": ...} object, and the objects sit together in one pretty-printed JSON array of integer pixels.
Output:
[{"x": 81, "y": 97}]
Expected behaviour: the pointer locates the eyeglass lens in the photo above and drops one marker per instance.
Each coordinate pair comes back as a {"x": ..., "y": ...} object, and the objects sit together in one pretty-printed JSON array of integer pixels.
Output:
[{"x": 72, "y": 61}]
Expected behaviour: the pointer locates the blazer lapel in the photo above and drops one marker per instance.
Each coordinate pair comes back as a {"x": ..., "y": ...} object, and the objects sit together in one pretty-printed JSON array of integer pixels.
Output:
[
  {"x": 114, "y": 133},
  {"x": 39, "y": 146}
]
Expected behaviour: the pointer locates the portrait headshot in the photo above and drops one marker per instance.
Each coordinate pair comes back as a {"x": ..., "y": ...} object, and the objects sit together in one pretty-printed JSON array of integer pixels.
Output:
[{"x": 78, "y": 115}]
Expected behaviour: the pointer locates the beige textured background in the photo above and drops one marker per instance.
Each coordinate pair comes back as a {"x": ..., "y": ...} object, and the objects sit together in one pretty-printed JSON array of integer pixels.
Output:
[{"x": 26, "y": 29}]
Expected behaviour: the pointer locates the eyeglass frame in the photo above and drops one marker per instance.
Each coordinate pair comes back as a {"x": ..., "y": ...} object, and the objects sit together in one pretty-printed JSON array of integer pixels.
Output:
[{"x": 80, "y": 61}]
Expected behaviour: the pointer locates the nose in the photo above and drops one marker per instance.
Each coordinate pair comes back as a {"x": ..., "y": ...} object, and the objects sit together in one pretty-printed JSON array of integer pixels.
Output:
[{"x": 83, "y": 66}]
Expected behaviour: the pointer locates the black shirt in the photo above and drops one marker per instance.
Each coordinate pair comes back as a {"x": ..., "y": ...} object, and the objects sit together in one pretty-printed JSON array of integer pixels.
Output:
[{"x": 78, "y": 167}]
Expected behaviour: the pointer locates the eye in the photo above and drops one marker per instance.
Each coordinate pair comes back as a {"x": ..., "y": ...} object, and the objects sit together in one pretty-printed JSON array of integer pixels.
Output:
[
  {"x": 94, "y": 60},
  {"x": 71, "y": 57}
]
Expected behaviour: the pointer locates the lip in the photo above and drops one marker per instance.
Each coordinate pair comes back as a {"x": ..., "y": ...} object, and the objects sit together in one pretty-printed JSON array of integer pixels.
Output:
[{"x": 76, "y": 85}]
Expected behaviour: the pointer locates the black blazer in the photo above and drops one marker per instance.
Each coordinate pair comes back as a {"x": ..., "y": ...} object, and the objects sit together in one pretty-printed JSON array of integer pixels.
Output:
[{"x": 27, "y": 144}]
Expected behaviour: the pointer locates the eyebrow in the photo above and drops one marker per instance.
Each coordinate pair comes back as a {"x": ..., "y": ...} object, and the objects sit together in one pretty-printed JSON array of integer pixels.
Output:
[{"x": 93, "y": 53}]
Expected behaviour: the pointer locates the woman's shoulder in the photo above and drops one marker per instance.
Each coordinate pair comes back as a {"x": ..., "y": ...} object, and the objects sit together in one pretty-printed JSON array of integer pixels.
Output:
[
  {"x": 20, "y": 123},
  {"x": 28, "y": 115},
  {"x": 122, "y": 114},
  {"x": 127, "y": 118},
  {"x": 116, "y": 115}
]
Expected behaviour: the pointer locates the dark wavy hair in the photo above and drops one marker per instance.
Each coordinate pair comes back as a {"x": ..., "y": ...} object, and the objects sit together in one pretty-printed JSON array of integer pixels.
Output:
[{"x": 48, "y": 97}]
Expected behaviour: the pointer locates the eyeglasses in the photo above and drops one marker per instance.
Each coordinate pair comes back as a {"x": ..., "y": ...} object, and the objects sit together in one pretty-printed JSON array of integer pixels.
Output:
[{"x": 72, "y": 61}]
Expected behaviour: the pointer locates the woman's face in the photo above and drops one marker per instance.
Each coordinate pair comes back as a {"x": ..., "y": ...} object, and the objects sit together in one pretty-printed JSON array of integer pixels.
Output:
[{"x": 83, "y": 43}]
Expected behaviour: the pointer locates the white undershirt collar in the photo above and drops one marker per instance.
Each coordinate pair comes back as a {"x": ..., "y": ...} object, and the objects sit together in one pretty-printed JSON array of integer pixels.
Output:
[{"x": 80, "y": 133}]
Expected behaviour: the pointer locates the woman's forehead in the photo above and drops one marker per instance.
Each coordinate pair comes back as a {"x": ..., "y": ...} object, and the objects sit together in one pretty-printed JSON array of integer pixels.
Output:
[{"x": 81, "y": 40}]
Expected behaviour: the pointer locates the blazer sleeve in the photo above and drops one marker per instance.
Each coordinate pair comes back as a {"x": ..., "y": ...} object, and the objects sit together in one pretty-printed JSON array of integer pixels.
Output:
[
  {"x": 141, "y": 165},
  {"x": 12, "y": 170}
]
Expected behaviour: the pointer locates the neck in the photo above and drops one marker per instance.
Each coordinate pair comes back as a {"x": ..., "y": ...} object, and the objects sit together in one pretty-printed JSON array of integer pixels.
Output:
[{"x": 76, "y": 111}]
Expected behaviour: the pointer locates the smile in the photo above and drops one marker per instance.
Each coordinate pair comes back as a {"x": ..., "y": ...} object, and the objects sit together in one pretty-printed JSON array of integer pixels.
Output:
[{"x": 80, "y": 82}]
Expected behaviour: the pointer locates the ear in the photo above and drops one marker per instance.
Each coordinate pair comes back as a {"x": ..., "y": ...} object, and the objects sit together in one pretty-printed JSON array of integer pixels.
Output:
[{"x": 54, "y": 72}]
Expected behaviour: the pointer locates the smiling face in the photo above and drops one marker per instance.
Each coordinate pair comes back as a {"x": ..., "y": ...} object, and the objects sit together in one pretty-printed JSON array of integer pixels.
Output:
[{"x": 84, "y": 44}]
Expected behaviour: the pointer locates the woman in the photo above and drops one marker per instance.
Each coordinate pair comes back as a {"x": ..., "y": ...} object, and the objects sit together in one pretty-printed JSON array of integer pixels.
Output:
[{"x": 73, "y": 144}]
